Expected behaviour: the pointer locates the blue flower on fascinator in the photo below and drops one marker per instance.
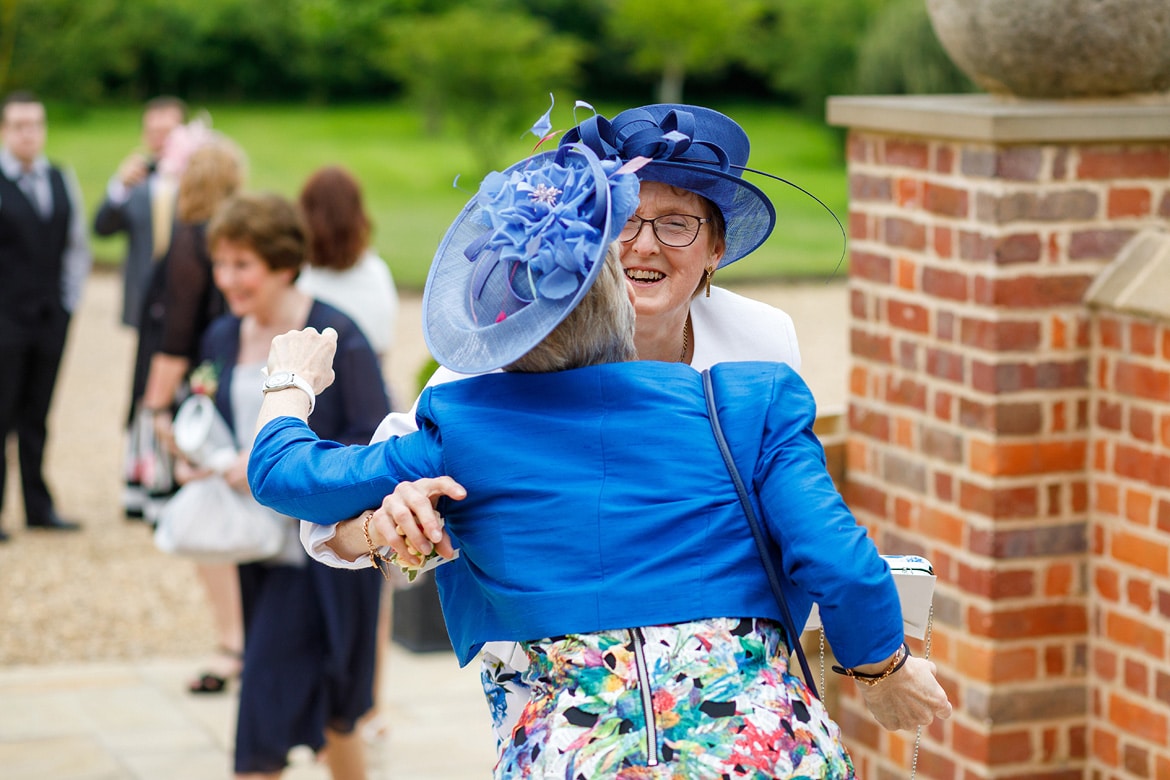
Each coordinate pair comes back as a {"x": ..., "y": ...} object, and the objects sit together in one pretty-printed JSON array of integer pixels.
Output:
[
  {"x": 522, "y": 254},
  {"x": 547, "y": 219}
]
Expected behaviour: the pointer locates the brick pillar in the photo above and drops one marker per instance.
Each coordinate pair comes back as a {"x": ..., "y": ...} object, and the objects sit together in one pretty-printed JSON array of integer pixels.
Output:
[
  {"x": 1129, "y": 734},
  {"x": 977, "y": 225}
]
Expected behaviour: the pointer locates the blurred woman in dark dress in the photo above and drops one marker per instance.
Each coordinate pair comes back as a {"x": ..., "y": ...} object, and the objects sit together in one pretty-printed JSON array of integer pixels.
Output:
[{"x": 310, "y": 630}]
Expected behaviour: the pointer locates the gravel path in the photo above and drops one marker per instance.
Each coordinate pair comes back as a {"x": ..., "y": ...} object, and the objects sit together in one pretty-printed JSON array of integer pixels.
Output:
[{"x": 106, "y": 593}]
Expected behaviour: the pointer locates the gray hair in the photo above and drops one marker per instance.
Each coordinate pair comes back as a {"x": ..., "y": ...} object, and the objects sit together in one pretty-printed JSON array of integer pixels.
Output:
[{"x": 599, "y": 330}]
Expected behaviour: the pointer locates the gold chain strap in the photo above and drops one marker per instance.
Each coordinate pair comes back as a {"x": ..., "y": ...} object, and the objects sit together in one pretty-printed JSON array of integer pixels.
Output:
[
  {"x": 822, "y": 660},
  {"x": 918, "y": 732}
]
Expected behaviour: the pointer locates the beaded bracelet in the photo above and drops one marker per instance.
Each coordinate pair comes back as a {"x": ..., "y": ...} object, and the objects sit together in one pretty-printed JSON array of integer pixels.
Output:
[
  {"x": 376, "y": 556},
  {"x": 870, "y": 680}
]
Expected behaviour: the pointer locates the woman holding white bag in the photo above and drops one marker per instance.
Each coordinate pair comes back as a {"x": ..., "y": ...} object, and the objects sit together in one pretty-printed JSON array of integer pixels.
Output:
[{"x": 309, "y": 630}]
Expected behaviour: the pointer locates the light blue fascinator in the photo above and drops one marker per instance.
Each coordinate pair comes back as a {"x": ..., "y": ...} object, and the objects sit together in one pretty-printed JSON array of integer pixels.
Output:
[{"x": 521, "y": 255}]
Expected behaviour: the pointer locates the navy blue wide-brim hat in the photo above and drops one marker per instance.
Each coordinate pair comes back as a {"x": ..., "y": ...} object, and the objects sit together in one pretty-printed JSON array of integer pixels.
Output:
[
  {"x": 694, "y": 148},
  {"x": 521, "y": 255}
]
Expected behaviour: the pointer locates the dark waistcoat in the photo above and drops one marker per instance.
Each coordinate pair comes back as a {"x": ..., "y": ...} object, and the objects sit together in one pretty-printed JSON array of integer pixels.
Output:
[{"x": 31, "y": 254}]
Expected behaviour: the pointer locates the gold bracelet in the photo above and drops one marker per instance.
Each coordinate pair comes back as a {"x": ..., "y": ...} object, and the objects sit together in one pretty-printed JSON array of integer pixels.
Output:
[
  {"x": 870, "y": 680},
  {"x": 376, "y": 556}
]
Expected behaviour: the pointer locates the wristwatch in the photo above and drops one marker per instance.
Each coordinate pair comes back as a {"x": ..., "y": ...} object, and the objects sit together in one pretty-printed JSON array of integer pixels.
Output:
[{"x": 282, "y": 380}]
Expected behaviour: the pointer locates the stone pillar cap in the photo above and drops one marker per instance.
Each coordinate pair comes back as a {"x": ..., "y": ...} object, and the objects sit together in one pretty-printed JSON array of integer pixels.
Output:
[
  {"x": 1006, "y": 119},
  {"x": 1138, "y": 280}
]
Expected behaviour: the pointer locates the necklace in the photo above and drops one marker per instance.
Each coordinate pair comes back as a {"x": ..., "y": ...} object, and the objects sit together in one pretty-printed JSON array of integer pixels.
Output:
[{"x": 682, "y": 356}]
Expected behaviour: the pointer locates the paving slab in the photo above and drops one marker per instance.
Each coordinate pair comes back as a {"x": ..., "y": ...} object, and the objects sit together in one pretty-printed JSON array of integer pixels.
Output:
[{"x": 135, "y": 721}]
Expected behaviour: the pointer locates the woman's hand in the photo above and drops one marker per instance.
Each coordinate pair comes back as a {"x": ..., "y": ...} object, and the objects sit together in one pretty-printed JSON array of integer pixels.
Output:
[
  {"x": 408, "y": 523},
  {"x": 185, "y": 471},
  {"x": 236, "y": 475},
  {"x": 908, "y": 698},
  {"x": 307, "y": 354},
  {"x": 164, "y": 431}
]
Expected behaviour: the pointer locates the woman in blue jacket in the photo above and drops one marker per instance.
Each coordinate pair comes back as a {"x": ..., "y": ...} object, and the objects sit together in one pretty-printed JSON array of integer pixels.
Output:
[{"x": 600, "y": 528}]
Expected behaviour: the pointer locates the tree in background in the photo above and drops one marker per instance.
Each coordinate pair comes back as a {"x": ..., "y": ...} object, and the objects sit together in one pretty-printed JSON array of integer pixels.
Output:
[
  {"x": 488, "y": 71},
  {"x": 344, "y": 48},
  {"x": 53, "y": 42},
  {"x": 673, "y": 40},
  {"x": 8, "y": 10},
  {"x": 244, "y": 54},
  {"x": 82, "y": 51},
  {"x": 807, "y": 49},
  {"x": 483, "y": 63},
  {"x": 901, "y": 54}
]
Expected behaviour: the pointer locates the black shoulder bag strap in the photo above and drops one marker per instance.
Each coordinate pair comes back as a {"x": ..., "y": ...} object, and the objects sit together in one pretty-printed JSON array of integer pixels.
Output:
[{"x": 757, "y": 533}]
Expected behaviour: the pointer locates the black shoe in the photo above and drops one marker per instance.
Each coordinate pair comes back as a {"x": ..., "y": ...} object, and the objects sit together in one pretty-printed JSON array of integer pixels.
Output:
[
  {"x": 3, "y": 536},
  {"x": 208, "y": 683},
  {"x": 53, "y": 522}
]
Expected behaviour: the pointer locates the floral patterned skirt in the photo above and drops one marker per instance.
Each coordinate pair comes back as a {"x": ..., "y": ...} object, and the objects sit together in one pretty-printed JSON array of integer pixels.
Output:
[{"x": 706, "y": 699}]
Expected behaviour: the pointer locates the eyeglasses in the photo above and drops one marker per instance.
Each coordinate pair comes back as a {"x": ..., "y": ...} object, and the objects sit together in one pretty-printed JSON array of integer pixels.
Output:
[{"x": 675, "y": 230}]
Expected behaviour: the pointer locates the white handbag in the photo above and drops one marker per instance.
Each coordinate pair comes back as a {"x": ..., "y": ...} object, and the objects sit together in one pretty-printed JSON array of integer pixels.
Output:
[
  {"x": 208, "y": 519},
  {"x": 202, "y": 435}
]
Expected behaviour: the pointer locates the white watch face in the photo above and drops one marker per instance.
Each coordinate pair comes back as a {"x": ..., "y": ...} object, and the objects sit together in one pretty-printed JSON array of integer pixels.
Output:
[{"x": 278, "y": 380}]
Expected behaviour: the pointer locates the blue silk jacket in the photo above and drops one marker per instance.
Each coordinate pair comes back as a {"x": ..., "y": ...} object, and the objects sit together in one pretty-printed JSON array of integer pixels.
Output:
[{"x": 597, "y": 499}]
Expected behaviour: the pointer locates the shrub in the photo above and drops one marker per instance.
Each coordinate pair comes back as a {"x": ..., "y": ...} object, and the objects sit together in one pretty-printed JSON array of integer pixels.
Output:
[{"x": 900, "y": 54}]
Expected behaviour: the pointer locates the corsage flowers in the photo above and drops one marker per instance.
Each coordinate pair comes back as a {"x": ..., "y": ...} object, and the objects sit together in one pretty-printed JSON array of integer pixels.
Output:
[
  {"x": 549, "y": 219},
  {"x": 204, "y": 379}
]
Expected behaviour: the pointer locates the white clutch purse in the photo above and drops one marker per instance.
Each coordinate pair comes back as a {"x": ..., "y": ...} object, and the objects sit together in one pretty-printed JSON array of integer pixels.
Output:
[
  {"x": 202, "y": 435},
  {"x": 914, "y": 578}
]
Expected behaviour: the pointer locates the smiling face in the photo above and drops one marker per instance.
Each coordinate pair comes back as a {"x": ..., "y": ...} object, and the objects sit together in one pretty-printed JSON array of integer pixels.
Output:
[
  {"x": 666, "y": 278},
  {"x": 249, "y": 285}
]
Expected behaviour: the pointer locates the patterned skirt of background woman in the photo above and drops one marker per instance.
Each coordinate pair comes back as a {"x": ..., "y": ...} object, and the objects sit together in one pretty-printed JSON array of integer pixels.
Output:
[{"x": 688, "y": 701}]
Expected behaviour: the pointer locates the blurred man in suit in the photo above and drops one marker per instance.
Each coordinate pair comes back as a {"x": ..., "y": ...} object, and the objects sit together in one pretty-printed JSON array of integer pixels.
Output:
[
  {"x": 44, "y": 261},
  {"x": 141, "y": 203}
]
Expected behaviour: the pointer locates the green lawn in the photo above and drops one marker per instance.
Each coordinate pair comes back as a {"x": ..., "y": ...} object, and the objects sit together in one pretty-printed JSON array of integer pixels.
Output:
[{"x": 408, "y": 174}]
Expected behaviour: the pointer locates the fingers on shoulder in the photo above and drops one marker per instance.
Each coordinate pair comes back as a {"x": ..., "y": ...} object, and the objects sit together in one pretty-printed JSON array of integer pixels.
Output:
[{"x": 447, "y": 486}]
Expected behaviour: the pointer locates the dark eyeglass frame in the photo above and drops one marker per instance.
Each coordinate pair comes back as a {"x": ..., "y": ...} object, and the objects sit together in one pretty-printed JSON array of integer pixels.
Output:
[{"x": 654, "y": 229}]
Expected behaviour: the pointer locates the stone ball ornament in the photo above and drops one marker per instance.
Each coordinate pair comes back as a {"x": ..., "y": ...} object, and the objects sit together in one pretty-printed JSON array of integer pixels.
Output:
[{"x": 1058, "y": 48}]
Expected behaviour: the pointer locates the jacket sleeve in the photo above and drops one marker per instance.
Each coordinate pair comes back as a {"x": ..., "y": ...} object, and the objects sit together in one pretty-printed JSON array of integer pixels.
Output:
[
  {"x": 825, "y": 553},
  {"x": 188, "y": 285},
  {"x": 298, "y": 474},
  {"x": 77, "y": 260},
  {"x": 111, "y": 214}
]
